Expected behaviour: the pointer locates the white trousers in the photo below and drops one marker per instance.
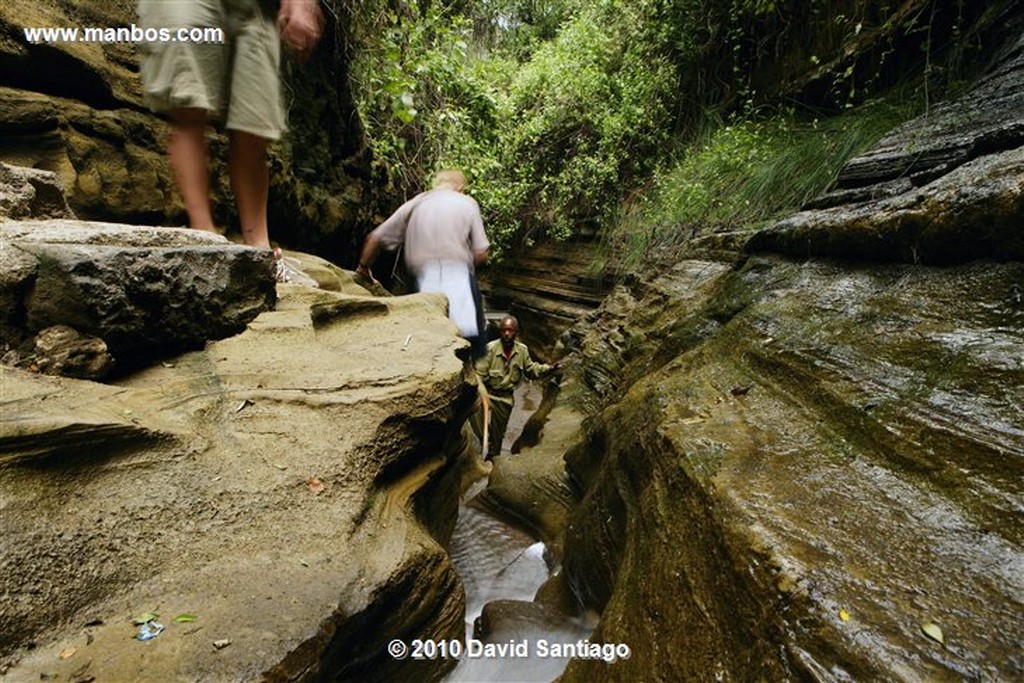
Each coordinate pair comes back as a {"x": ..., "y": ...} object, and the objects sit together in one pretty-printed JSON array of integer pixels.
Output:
[{"x": 452, "y": 278}]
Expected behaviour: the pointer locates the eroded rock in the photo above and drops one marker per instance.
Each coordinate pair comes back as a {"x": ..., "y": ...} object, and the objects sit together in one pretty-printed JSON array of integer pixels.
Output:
[
  {"x": 266, "y": 484},
  {"x": 840, "y": 463},
  {"x": 62, "y": 350},
  {"x": 31, "y": 193}
]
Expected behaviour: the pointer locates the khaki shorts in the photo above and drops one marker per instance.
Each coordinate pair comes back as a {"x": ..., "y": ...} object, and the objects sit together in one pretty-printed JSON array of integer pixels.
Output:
[{"x": 238, "y": 80}]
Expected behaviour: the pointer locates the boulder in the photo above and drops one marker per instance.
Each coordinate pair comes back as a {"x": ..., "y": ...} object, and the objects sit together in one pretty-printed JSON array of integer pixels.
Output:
[
  {"x": 31, "y": 193},
  {"x": 62, "y": 350},
  {"x": 142, "y": 291}
]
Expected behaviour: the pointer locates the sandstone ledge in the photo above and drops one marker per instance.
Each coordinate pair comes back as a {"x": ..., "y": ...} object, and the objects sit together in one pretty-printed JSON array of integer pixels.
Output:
[{"x": 265, "y": 484}]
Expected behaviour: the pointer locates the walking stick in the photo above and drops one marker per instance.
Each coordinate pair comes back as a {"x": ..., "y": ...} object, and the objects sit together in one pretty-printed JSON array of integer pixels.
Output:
[{"x": 485, "y": 402}]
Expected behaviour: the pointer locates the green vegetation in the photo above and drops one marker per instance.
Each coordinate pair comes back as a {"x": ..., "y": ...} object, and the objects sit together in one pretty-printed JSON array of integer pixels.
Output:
[
  {"x": 562, "y": 112},
  {"x": 734, "y": 177}
]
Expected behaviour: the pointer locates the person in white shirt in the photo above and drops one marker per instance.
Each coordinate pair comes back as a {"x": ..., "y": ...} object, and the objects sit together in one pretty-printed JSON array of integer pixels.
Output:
[{"x": 443, "y": 235}]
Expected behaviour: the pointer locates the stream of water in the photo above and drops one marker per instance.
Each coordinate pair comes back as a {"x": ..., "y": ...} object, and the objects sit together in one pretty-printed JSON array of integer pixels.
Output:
[{"x": 497, "y": 562}]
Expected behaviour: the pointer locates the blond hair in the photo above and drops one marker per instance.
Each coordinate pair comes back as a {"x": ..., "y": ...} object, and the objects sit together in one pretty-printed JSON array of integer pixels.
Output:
[{"x": 450, "y": 178}]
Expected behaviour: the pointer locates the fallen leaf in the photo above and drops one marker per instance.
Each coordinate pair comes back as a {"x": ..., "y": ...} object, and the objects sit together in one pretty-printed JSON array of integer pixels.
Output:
[
  {"x": 315, "y": 485},
  {"x": 303, "y": 562},
  {"x": 184, "y": 618},
  {"x": 932, "y": 630},
  {"x": 144, "y": 617},
  {"x": 280, "y": 466},
  {"x": 844, "y": 616},
  {"x": 243, "y": 404},
  {"x": 221, "y": 644},
  {"x": 68, "y": 652}
]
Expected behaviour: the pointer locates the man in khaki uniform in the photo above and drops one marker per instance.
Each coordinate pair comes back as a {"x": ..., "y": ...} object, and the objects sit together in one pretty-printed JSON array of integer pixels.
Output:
[
  {"x": 506, "y": 363},
  {"x": 238, "y": 80}
]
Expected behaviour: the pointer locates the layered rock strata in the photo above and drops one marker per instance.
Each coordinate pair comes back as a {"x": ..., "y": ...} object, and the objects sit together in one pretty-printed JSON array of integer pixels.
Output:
[
  {"x": 277, "y": 486},
  {"x": 808, "y": 465}
]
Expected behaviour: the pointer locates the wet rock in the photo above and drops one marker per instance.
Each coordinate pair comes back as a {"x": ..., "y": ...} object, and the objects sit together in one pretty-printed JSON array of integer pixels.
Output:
[
  {"x": 503, "y": 620},
  {"x": 797, "y": 532},
  {"x": 531, "y": 488}
]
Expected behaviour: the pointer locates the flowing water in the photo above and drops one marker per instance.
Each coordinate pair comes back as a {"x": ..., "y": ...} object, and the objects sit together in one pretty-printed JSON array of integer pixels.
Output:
[
  {"x": 497, "y": 562},
  {"x": 500, "y": 563}
]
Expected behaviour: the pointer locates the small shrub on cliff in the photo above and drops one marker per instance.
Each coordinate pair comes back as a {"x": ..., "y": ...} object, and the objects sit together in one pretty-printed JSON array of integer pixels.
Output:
[{"x": 737, "y": 176}]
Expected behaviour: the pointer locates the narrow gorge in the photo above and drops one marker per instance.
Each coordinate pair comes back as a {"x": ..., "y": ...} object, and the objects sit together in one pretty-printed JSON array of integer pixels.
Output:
[{"x": 793, "y": 453}]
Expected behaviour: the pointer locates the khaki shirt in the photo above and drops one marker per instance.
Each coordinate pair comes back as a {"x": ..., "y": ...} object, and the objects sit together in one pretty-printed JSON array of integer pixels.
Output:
[{"x": 501, "y": 375}]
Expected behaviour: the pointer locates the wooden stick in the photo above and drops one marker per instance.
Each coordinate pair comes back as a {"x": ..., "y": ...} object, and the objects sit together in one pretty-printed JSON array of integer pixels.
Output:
[{"x": 485, "y": 401}]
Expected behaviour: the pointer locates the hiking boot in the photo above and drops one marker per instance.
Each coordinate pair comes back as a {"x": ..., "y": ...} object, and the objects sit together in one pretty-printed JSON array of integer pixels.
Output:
[{"x": 287, "y": 270}]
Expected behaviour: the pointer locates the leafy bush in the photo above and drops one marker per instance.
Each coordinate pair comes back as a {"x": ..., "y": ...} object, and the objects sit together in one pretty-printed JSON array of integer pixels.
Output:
[
  {"x": 588, "y": 112},
  {"x": 418, "y": 93},
  {"x": 561, "y": 111}
]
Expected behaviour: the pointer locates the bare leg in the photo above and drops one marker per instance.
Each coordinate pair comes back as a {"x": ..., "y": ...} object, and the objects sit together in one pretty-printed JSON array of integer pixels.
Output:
[
  {"x": 249, "y": 180},
  {"x": 186, "y": 151}
]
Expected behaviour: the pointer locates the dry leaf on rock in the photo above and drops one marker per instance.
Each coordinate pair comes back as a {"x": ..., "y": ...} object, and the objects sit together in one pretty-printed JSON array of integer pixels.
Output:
[{"x": 933, "y": 631}]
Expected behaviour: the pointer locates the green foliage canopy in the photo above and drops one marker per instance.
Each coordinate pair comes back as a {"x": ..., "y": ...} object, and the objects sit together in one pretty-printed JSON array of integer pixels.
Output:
[{"x": 561, "y": 110}]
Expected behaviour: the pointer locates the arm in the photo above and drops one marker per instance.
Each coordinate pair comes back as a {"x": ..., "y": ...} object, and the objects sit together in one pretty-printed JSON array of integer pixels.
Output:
[
  {"x": 535, "y": 370},
  {"x": 480, "y": 257},
  {"x": 388, "y": 235},
  {"x": 369, "y": 254}
]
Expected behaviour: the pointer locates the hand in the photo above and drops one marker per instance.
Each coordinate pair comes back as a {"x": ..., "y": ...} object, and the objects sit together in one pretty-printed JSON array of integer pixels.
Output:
[
  {"x": 367, "y": 273},
  {"x": 301, "y": 24}
]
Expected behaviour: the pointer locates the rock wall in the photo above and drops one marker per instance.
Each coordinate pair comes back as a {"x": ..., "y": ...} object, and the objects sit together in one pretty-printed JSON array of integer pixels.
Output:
[
  {"x": 807, "y": 465},
  {"x": 547, "y": 287},
  {"x": 838, "y": 465}
]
